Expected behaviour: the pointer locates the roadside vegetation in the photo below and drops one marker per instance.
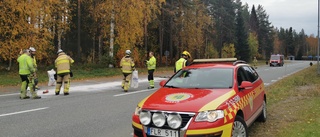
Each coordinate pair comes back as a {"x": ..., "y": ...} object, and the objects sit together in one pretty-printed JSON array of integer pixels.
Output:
[{"x": 293, "y": 107}]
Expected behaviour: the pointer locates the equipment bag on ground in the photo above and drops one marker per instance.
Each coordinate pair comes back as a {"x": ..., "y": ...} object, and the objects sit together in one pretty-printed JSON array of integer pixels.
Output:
[{"x": 135, "y": 79}]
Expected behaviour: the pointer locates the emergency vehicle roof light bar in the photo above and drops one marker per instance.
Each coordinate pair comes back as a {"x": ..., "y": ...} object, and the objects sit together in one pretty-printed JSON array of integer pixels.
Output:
[
  {"x": 216, "y": 60},
  {"x": 238, "y": 62}
]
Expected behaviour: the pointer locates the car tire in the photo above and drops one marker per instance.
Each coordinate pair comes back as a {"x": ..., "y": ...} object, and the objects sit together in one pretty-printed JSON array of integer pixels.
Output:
[
  {"x": 263, "y": 116},
  {"x": 239, "y": 128}
]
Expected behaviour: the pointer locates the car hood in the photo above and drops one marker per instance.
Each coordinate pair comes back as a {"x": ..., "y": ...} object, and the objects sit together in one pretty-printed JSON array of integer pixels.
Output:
[{"x": 186, "y": 100}]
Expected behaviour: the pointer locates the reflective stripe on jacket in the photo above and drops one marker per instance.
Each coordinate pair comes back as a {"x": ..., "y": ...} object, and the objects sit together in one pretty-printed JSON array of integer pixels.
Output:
[
  {"x": 127, "y": 64},
  {"x": 25, "y": 64},
  {"x": 63, "y": 63},
  {"x": 152, "y": 63},
  {"x": 180, "y": 64}
]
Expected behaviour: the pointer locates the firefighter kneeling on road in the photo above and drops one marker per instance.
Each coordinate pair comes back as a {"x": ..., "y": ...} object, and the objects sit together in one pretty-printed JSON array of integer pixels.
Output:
[{"x": 127, "y": 66}]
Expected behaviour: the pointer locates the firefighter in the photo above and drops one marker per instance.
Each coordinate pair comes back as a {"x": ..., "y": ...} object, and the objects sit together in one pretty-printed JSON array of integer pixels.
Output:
[
  {"x": 255, "y": 61},
  {"x": 32, "y": 51},
  {"x": 151, "y": 64},
  {"x": 183, "y": 61},
  {"x": 63, "y": 63},
  {"x": 127, "y": 66},
  {"x": 26, "y": 72}
]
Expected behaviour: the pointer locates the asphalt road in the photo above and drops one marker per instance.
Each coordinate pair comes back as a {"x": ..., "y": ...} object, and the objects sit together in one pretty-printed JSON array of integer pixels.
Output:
[{"x": 94, "y": 108}]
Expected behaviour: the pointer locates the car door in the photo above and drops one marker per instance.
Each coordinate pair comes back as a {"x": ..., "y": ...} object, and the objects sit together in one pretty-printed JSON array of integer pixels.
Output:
[
  {"x": 255, "y": 97},
  {"x": 245, "y": 73}
]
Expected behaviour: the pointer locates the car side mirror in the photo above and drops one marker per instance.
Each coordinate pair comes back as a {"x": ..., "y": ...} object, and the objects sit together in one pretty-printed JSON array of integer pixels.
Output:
[
  {"x": 162, "y": 83},
  {"x": 246, "y": 85}
]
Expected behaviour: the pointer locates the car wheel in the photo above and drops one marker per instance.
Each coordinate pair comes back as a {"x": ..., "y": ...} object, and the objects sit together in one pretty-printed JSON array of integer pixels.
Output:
[
  {"x": 239, "y": 128},
  {"x": 263, "y": 115}
]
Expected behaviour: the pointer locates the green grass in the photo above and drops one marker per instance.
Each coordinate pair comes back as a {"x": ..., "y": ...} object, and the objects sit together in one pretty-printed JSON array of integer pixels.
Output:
[
  {"x": 308, "y": 122},
  {"x": 293, "y": 107}
]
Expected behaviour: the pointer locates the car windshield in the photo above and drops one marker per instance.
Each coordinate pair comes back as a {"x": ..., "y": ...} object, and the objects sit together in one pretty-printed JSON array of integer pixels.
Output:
[
  {"x": 275, "y": 57},
  {"x": 204, "y": 78}
]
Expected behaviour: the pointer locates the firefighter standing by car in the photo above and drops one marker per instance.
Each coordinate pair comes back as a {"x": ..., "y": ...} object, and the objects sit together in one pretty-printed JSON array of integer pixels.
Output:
[
  {"x": 26, "y": 72},
  {"x": 32, "y": 51},
  {"x": 151, "y": 64},
  {"x": 63, "y": 63},
  {"x": 183, "y": 61},
  {"x": 127, "y": 66},
  {"x": 255, "y": 61}
]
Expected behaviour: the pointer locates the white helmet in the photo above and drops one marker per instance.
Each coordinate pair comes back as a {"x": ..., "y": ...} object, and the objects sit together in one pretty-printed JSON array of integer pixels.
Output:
[
  {"x": 128, "y": 52},
  {"x": 59, "y": 51},
  {"x": 32, "y": 49}
]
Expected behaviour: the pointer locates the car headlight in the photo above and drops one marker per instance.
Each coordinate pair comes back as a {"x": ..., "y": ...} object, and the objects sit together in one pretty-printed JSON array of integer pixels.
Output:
[
  {"x": 174, "y": 121},
  {"x": 145, "y": 117},
  {"x": 137, "y": 111},
  {"x": 210, "y": 116},
  {"x": 158, "y": 119}
]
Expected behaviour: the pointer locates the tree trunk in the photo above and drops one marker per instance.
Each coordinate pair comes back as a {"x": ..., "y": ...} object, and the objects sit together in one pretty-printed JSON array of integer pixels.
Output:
[
  {"x": 94, "y": 49},
  {"x": 79, "y": 45},
  {"x": 111, "y": 34},
  {"x": 99, "y": 48},
  {"x": 146, "y": 33}
]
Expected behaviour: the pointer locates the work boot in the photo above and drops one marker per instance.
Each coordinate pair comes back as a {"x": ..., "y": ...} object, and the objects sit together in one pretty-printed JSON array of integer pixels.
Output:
[
  {"x": 125, "y": 90},
  {"x": 36, "y": 97},
  {"x": 150, "y": 87},
  {"x": 26, "y": 97},
  {"x": 66, "y": 94},
  {"x": 57, "y": 93}
]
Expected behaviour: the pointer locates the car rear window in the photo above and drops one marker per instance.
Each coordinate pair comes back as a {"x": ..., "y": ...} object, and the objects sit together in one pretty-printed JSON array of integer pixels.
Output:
[{"x": 202, "y": 78}]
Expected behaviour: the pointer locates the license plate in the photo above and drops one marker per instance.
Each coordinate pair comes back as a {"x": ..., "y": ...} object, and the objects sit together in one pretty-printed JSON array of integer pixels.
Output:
[{"x": 162, "y": 132}]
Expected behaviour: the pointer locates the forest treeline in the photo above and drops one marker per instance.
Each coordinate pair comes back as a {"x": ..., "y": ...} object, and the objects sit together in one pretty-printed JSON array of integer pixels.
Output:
[{"x": 99, "y": 31}]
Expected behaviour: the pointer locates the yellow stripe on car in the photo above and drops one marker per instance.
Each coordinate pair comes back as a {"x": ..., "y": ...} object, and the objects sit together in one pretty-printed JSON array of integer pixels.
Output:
[
  {"x": 225, "y": 128},
  {"x": 217, "y": 102},
  {"x": 142, "y": 101},
  {"x": 137, "y": 125}
]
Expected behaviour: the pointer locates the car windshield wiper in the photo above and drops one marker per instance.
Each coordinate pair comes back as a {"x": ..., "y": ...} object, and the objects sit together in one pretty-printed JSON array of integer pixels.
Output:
[{"x": 170, "y": 86}]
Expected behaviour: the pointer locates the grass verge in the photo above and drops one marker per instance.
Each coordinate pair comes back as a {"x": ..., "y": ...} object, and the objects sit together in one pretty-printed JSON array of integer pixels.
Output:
[{"x": 293, "y": 107}]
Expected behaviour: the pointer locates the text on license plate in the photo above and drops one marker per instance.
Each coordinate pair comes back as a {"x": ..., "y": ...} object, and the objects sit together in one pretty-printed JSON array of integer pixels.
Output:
[{"x": 162, "y": 132}]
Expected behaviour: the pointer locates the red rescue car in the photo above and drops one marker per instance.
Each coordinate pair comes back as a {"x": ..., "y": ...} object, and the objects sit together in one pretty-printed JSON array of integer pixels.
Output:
[
  {"x": 276, "y": 60},
  {"x": 209, "y": 98}
]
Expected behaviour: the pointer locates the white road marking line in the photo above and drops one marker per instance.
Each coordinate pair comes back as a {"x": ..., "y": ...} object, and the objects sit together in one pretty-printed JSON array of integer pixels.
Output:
[
  {"x": 9, "y": 94},
  {"x": 19, "y": 112},
  {"x": 133, "y": 92}
]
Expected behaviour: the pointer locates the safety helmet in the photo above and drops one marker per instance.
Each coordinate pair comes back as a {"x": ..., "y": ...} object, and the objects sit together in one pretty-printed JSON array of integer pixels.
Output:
[
  {"x": 186, "y": 53},
  {"x": 32, "y": 49},
  {"x": 59, "y": 51},
  {"x": 128, "y": 52}
]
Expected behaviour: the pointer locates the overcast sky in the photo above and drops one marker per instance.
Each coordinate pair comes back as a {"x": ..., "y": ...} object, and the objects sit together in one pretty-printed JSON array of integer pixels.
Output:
[{"x": 298, "y": 14}]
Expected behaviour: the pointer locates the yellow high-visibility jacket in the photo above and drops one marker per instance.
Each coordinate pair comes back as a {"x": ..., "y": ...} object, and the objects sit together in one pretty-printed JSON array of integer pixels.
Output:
[
  {"x": 152, "y": 63},
  {"x": 63, "y": 62},
  {"x": 180, "y": 64},
  {"x": 25, "y": 65},
  {"x": 127, "y": 64}
]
